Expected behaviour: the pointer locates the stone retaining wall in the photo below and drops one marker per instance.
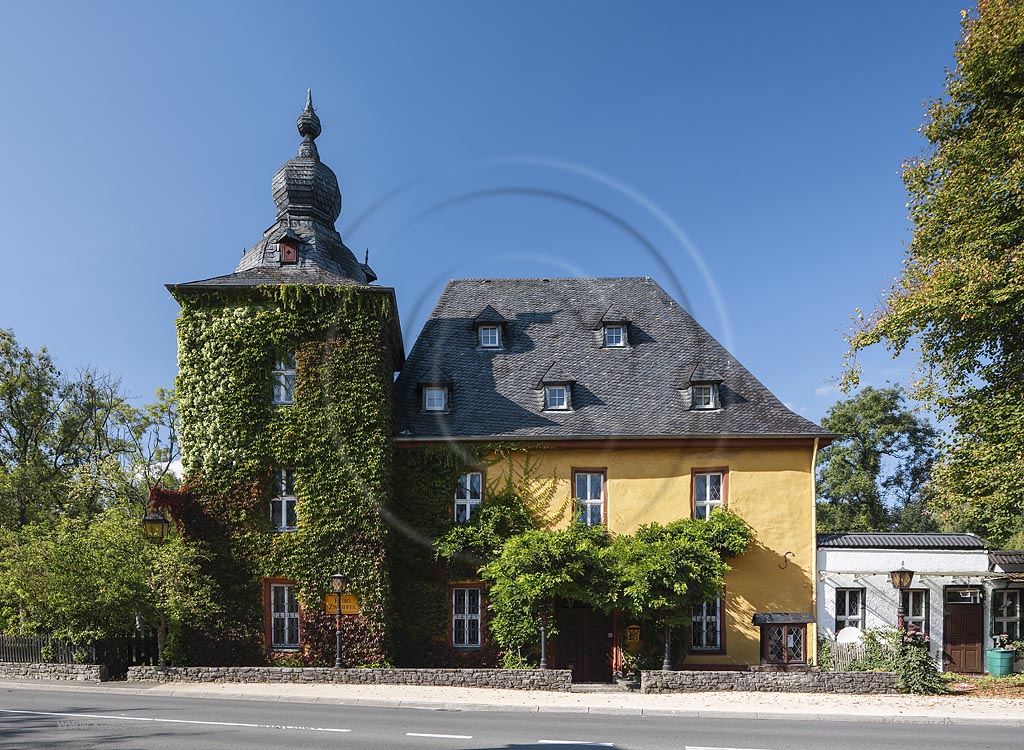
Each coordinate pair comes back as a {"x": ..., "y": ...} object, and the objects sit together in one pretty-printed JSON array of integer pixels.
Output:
[
  {"x": 514, "y": 679},
  {"x": 77, "y": 672},
  {"x": 774, "y": 682}
]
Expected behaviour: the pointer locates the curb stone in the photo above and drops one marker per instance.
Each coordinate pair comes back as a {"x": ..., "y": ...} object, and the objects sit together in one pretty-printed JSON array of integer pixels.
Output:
[{"x": 448, "y": 706}]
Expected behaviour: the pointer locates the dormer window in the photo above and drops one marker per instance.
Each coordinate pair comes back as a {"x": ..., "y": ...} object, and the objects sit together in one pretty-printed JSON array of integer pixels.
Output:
[
  {"x": 557, "y": 387},
  {"x": 284, "y": 379},
  {"x": 705, "y": 396},
  {"x": 614, "y": 335},
  {"x": 490, "y": 336},
  {"x": 289, "y": 252},
  {"x": 435, "y": 398},
  {"x": 490, "y": 326},
  {"x": 556, "y": 397}
]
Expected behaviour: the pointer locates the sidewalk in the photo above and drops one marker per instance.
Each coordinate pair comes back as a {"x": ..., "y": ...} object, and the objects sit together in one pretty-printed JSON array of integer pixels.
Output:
[{"x": 725, "y": 705}]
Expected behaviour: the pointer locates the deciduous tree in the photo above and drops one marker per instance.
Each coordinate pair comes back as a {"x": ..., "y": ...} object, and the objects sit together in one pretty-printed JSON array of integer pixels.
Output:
[{"x": 958, "y": 299}]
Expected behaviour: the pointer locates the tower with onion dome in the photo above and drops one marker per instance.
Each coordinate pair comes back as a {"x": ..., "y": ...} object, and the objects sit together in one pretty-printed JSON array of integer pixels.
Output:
[{"x": 285, "y": 376}]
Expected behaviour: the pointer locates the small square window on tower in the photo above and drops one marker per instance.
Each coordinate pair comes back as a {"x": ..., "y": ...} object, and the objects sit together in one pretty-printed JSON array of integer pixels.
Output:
[
  {"x": 435, "y": 398},
  {"x": 289, "y": 252}
]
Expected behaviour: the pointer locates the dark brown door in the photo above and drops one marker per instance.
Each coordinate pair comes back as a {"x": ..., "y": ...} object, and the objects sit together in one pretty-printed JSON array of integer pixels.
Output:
[
  {"x": 961, "y": 636},
  {"x": 584, "y": 644}
]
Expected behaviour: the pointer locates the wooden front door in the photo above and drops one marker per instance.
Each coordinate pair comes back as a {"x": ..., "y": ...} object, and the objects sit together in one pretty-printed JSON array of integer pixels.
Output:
[
  {"x": 584, "y": 644},
  {"x": 962, "y": 637}
]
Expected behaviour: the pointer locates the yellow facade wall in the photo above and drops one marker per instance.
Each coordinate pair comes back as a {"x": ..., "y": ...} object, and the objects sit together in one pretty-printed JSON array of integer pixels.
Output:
[{"x": 770, "y": 487}]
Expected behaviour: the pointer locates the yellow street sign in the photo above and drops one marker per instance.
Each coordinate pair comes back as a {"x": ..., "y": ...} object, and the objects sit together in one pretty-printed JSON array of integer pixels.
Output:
[{"x": 349, "y": 604}]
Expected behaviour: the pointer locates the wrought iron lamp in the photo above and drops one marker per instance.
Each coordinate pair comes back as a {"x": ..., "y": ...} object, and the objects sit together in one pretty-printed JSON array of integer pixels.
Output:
[
  {"x": 156, "y": 525},
  {"x": 901, "y": 578},
  {"x": 339, "y": 582}
]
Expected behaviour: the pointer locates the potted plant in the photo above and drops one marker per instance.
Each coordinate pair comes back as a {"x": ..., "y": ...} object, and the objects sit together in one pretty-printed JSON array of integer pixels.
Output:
[{"x": 1000, "y": 657}]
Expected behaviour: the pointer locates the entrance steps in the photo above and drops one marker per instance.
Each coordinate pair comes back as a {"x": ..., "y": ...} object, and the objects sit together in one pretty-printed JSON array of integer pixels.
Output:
[{"x": 605, "y": 687}]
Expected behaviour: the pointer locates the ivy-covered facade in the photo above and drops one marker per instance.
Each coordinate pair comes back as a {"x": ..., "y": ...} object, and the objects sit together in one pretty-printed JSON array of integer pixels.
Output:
[{"x": 550, "y": 402}]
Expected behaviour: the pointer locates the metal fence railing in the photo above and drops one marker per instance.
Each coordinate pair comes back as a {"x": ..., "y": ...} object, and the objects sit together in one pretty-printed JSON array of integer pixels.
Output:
[
  {"x": 117, "y": 652},
  {"x": 34, "y": 649}
]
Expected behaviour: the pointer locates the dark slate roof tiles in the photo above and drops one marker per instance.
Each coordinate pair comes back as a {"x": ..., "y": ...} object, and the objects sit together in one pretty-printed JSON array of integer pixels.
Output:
[
  {"x": 899, "y": 540},
  {"x": 619, "y": 392}
]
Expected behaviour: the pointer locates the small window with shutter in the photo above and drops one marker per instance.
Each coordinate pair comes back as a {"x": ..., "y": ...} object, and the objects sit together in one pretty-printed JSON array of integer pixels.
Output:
[{"x": 289, "y": 252}]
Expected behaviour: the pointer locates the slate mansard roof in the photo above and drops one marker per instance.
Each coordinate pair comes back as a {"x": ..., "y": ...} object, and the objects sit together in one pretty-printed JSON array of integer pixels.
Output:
[
  {"x": 898, "y": 540},
  {"x": 621, "y": 392}
]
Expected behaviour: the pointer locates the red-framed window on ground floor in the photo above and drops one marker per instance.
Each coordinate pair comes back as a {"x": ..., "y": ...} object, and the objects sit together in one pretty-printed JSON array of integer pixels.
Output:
[
  {"x": 467, "y": 622},
  {"x": 281, "y": 615},
  {"x": 707, "y": 631}
]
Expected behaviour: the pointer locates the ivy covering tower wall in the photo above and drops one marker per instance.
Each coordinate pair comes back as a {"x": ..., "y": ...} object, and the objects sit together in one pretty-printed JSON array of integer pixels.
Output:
[{"x": 336, "y": 437}]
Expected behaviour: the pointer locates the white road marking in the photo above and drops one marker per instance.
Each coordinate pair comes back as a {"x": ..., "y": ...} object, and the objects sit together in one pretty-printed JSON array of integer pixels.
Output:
[
  {"x": 441, "y": 736},
  {"x": 172, "y": 721},
  {"x": 585, "y": 743}
]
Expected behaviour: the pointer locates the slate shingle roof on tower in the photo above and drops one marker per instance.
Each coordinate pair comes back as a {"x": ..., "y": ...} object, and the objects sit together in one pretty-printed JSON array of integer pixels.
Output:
[
  {"x": 308, "y": 201},
  {"x": 626, "y": 392}
]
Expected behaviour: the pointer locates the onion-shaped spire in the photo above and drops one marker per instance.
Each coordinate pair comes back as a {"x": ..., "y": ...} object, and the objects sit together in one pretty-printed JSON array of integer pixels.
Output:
[{"x": 309, "y": 128}]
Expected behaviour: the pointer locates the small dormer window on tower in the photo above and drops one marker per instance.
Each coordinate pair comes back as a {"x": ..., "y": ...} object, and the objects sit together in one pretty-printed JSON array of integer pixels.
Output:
[
  {"x": 283, "y": 376},
  {"x": 289, "y": 252},
  {"x": 490, "y": 328},
  {"x": 614, "y": 327},
  {"x": 556, "y": 397}
]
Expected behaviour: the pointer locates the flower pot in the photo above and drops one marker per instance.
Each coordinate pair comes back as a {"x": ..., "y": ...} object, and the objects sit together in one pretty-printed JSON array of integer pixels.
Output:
[{"x": 1000, "y": 661}]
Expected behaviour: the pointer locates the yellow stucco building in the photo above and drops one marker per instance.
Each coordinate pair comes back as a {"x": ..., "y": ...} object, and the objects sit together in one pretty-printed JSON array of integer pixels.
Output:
[{"x": 638, "y": 415}]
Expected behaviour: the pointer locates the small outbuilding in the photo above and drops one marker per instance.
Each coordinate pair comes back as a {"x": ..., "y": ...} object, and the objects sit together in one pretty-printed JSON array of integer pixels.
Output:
[{"x": 955, "y": 590}]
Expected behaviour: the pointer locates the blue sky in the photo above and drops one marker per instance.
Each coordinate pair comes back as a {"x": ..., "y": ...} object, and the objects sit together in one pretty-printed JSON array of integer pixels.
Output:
[{"x": 755, "y": 146}]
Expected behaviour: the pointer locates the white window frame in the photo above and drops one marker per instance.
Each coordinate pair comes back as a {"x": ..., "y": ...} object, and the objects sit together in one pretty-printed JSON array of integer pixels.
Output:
[
  {"x": 486, "y": 339},
  {"x": 1002, "y": 623},
  {"x": 283, "y": 501},
  {"x": 469, "y": 493},
  {"x": 289, "y": 614},
  {"x": 705, "y": 396},
  {"x": 590, "y": 509},
  {"x": 703, "y": 486},
  {"x": 921, "y": 620},
  {"x": 283, "y": 376},
  {"x": 615, "y": 336},
  {"x": 554, "y": 402},
  {"x": 850, "y": 620},
  {"x": 465, "y": 621},
  {"x": 430, "y": 403},
  {"x": 704, "y": 614}
]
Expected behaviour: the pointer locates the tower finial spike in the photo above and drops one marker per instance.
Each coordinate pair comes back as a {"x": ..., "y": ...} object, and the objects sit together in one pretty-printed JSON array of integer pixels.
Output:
[{"x": 309, "y": 99}]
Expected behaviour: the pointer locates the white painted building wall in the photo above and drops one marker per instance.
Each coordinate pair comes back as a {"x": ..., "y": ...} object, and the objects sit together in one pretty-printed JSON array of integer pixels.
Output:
[{"x": 869, "y": 569}]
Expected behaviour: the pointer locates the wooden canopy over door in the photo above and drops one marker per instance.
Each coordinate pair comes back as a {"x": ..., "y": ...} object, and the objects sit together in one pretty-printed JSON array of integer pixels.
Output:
[{"x": 962, "y": 633}]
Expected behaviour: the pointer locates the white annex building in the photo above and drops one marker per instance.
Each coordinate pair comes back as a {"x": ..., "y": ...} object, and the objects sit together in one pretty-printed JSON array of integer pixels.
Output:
[{"x": 960, "y": 595}]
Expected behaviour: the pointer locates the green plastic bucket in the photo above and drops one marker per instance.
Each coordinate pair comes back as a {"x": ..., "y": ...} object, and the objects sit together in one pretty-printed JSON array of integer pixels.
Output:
[{"x": 1000, "y": 662}]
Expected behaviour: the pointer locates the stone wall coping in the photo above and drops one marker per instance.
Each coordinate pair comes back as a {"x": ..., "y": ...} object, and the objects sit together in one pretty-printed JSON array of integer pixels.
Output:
[
  {"x": 656, "y": 681},
  {"x": 49, "y": 671},
  {"x": 515, "y": 679}
]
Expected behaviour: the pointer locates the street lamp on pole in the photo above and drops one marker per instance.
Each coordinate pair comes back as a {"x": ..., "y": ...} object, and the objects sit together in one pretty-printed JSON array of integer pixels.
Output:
[
  {"x": 157, "y": 527},
  {"x": 339, "y": 582},
  {"x": 901, "y": 578}
]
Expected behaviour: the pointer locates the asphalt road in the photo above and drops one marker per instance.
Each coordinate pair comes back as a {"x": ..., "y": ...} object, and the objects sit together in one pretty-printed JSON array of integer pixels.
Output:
[{"x": 83, "y": 719}]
